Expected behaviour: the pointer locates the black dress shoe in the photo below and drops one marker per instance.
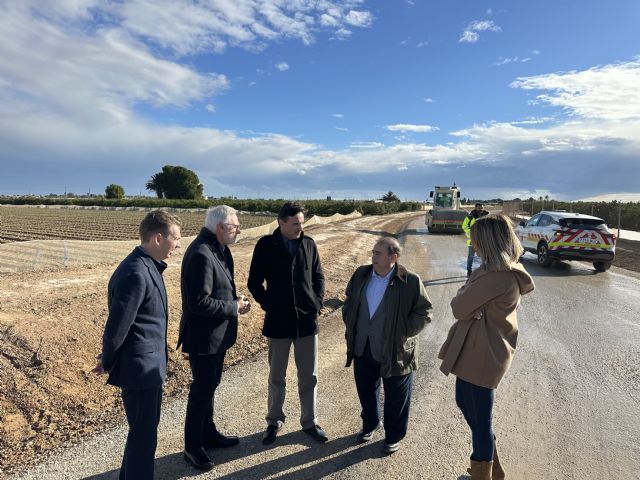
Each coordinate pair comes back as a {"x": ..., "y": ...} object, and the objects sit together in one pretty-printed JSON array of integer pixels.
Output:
[
  {"x": 270, "y": 434},
  {"x": 199, "y": 459},
  {"x": 219, "y": 440},
  {"x": 317, "y": 433}
]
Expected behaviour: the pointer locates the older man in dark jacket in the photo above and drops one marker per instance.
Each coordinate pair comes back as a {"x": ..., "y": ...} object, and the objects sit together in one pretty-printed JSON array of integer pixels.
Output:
[
  {"x": 286, "y": 279},
  {"x": 209, "y": 325},
  {"x": 385, "y": 309}
]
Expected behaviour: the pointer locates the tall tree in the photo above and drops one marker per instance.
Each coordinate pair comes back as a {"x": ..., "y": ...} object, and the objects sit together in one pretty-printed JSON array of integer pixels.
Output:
[
  {"x": 175, "y": 182},
  {"x": 114, "y": 191},
  {"x": 390, "y": 197}
]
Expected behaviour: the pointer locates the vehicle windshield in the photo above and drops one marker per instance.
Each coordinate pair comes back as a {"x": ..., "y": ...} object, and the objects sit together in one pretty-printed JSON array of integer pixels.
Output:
[
  {"x": 584, "y": 223},
  {"x": 444, "y": 199}
]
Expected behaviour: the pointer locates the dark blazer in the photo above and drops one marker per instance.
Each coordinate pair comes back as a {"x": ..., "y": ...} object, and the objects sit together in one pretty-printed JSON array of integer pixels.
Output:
[
  {"x": 294, "y": 287},
  {"x": 209, "y": 320},
  {"x": 134, "y": 344}
]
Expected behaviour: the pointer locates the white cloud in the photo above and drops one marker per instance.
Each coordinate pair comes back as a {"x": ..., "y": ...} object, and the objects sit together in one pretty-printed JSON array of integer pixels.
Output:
[
  {"x": 470, "y": 33},
  {"x": 328, "y": 20},
  {"x": 422, "y": 44},
  {"x": 337, "y": 115},
  {"x": 366, "y": 145},
  {"x": 428, "y": 99},
  {"x": 403, "y": 127},
  {"x": 343, "y": 33},
  {"x": 607, "y": 92},
  {"x": 104, "y": 73},
  {"x": 342, "y": 129},
  {"x": 516, "y": 59},
  {"x": 282, "y": 66},
  {"x": 187, "y": 27},
  {"x": 359, "y": 18},
  {"x": 210, "y": 108}
]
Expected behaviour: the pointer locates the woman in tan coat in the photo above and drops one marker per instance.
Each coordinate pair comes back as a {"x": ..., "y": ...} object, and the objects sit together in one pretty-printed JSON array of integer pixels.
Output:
[{"x": 480, "y": 345}]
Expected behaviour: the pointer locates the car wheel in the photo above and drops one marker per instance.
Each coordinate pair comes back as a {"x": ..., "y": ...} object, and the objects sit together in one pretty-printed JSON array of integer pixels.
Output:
[
  {"x": 601, "y": 266},
  {"x": 543, "y": 255}
]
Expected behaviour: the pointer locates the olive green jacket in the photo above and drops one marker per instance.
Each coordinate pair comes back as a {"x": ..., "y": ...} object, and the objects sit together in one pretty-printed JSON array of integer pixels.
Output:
[{"x": 407, "y": 311}]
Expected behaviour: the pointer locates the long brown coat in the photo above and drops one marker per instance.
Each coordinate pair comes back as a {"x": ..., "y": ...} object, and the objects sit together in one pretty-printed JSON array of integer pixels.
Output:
[{"x": 480, "y": 345}]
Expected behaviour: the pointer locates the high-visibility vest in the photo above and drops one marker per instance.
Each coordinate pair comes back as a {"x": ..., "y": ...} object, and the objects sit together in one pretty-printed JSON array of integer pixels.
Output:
[{"x": 467, "y": 223}]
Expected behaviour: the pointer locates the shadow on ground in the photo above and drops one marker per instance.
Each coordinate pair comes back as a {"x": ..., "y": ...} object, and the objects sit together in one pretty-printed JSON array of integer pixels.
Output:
[{"x": 316, "y": 461}]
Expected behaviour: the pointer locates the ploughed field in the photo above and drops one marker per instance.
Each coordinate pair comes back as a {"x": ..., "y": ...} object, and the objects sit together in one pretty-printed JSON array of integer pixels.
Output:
[{"x": 19, "y": 224}]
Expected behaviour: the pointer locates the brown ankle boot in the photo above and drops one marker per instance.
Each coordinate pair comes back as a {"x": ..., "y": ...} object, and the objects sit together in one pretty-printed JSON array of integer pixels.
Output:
[
  {"x": 497, "y": 473},
  {"x": 480, "y": 470}
]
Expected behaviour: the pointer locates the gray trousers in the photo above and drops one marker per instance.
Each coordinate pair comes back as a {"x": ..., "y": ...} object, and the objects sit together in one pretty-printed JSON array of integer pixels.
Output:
[{"x": 305, "y": 353}]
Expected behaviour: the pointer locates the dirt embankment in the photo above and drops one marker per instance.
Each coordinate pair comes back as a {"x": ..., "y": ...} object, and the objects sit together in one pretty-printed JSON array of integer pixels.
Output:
[{"x": 51, "y": 325}]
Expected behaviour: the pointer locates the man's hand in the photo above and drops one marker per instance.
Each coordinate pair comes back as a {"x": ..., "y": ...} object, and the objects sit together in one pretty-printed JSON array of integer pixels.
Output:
[
  {"x": 99, "y": 368},
  {"x": 243, "y": 305}
]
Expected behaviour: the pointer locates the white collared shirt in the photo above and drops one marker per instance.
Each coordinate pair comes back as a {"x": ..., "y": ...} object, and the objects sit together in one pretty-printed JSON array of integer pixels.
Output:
[{"x": 375, "y": 289}]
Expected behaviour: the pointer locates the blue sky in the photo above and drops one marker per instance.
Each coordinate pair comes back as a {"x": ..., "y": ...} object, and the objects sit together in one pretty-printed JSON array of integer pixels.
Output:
[{"x": 304, "y": 99}]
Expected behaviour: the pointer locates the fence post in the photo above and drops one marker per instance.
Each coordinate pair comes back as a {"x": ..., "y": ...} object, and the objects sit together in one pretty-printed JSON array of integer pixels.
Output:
[{"x": 619, "y": 217}]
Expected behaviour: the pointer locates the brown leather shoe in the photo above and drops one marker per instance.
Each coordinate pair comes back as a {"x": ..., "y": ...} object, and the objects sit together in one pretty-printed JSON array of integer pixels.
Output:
[{"x": 480, "y": 470}]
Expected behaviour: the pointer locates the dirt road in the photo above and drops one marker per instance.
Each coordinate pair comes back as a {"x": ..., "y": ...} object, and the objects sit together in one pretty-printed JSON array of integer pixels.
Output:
[{"x": 568, "y": 408}]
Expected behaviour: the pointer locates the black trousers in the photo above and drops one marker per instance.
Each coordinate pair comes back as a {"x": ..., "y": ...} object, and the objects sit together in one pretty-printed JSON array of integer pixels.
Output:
[
  {"x": 199, "y": 425},
  {"x": 397, "y": 397},
  {"x": 142, "y": 408}
]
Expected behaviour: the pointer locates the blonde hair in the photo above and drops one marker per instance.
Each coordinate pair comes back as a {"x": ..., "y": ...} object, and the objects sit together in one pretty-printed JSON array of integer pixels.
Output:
[{"x": 495, "y": 241}]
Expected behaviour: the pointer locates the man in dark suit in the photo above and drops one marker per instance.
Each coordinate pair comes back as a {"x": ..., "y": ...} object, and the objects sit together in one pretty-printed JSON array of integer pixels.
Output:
[
  {"x": 209, "y": 325},
  {"x": 134, "y": 344}
]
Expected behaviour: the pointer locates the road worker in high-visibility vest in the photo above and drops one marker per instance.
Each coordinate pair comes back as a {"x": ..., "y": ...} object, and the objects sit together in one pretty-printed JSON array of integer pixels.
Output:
[{"x": 477, "y": 212}]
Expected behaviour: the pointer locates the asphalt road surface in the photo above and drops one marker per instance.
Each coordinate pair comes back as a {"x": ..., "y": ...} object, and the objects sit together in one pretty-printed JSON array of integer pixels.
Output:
[{"x": 569, "y": 408}]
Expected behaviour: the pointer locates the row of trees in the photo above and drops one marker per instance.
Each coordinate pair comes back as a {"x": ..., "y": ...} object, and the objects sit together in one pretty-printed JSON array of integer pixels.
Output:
[
  {"x": 314, "y": 207},
  {"x": 172, "y": 182}
]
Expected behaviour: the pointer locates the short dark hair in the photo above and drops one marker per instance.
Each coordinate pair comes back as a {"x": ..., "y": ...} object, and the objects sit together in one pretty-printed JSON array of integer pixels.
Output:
[
  {"x": 290, "y": 209},
  {"x": 479, "y": 204},
  {"x": 156, "y": 221}
]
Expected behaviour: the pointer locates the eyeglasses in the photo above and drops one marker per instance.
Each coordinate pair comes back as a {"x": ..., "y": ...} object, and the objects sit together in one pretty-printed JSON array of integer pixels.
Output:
[{"x": 233, "y": 226}]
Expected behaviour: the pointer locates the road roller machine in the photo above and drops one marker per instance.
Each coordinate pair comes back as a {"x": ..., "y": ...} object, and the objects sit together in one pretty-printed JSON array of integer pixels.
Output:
[{"x": 446, "y": 215}]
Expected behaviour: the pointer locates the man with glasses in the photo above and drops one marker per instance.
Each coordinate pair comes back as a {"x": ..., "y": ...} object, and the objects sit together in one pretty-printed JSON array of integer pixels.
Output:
[
  {"x": 286, "y": 279},
  {"x": 134, "y": 344},
  {"x": 208, "y": 328}
]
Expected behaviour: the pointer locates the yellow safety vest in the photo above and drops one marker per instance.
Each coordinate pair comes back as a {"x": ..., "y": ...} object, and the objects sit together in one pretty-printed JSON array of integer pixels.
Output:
[{"x": 467, "y": 223}]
